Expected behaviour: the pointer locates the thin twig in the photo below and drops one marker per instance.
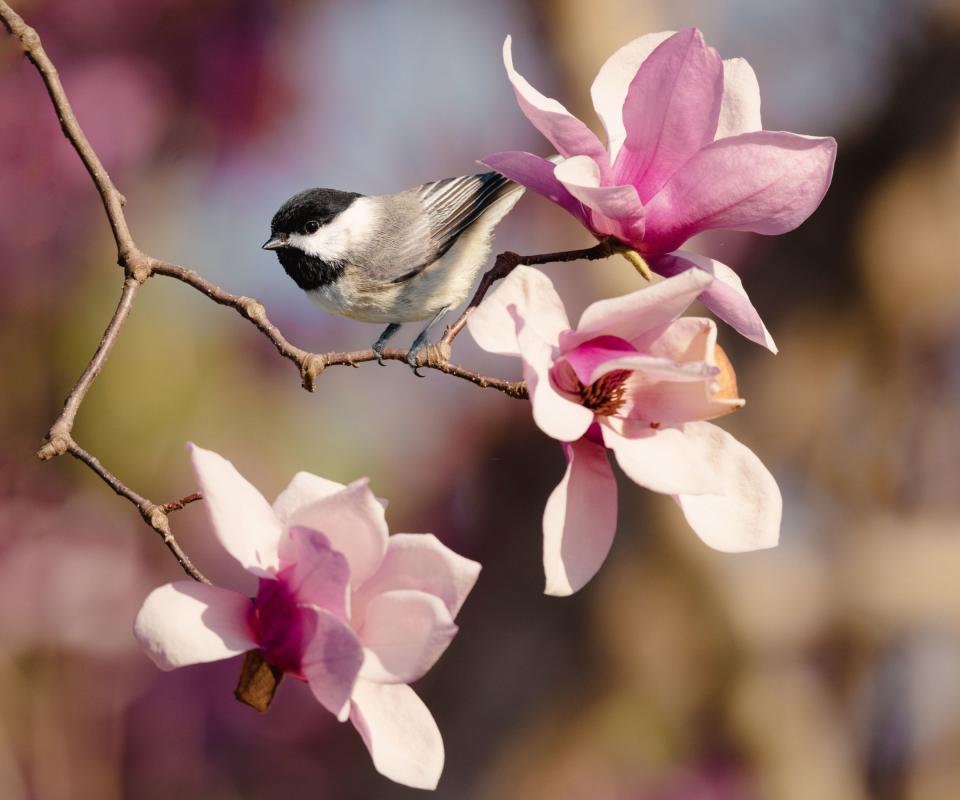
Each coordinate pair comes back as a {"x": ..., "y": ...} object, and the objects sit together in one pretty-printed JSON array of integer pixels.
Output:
[
  {"x": 507, "y": 262},
  {"x": 155, "y": 516},
  {"x": 58, "y": 437},
  {"x": 176, "y": 505}
]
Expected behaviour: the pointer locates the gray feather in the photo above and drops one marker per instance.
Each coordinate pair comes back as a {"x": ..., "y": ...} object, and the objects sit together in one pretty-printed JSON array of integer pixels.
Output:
[{"x": 429, "y": 219}]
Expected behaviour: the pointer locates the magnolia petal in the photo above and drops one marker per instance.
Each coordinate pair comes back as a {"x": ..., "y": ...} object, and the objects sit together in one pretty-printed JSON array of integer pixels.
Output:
[
  {"x": 241, "y": 518},
  {"x": 399, "y": 732},
  {"x": 725, "y": 297},
  {"x": 556, "y": 415},
  {"x": 319, "y": 575},
  {"x": 353, "y": 521},
  {"x": 609, "y": 89},
  {"x": 766, "y": 182},
  {"x": 630, "y": 315},
  {"x": 580, "y": 519},
  {"x": 404, "y": 633},
  {"x": 740, "y": 109},
  {"x": 564, "y": 131},
  {"x": 616, "y": 210},
  {"x": 536, "y": 173},
  {"x": 331, "y": 661},
  {"x": 192, "y": 623},
  {"x": 527, "y": 294},
  {"x": 744, "y": 514},
  {"x": 419, "y": 561},
  {"x": 660, "y": 459},
  {"x": 670, "y": 112},
  {"x": 305, "y": 488}
]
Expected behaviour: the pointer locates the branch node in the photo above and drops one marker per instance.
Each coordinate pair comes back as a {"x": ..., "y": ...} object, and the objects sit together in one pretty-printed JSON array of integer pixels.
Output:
[
  {"x": 136, "y": 265},
  {"x": 312, "y": 366},
  {"x": 434, "y": 355},
  {"x": 157, "y": 519},
  {"x": 57, "y": 444},
  {"x": 253, "y": 310}
]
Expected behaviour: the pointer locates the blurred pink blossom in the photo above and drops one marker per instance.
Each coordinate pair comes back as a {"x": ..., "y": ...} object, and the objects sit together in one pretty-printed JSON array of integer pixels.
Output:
[
  {"x": 685, "y": 153},
  {"x": 355, "y": 613},
  {"x": 634, "y": 379}
]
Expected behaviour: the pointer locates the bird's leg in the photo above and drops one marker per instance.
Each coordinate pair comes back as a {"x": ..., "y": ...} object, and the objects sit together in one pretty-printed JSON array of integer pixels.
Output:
[
  {"x": 378, "y": 345},
  {"x": 421, "y": 342}
]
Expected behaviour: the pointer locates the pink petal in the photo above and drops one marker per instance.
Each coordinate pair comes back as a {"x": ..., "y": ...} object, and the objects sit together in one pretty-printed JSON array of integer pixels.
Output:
[
  {"x": 609, "y": 89},
  {"x": 564, "y": 131},
  {"x": 192, "y": 623},
  {"x": 404, "y": 633},
  {"x": 555, "y": 414},
  {"x": 580, "y": 519},
  {"x": 615, "y": 210},
  {"x": 242, "y": 520},
  {"x": 536, "y": 173},
  {"x": 354, "y": 523},
  {"x": 663, "y": 460},
  {"x": 305, "y": 488},
  {"x": 725, "y": 297},
  {"x": 331, "y": 661},
  {"x": 672, "y": 399},
  {"x": 420, "y": 561},
  {"x": 766, "y": 182},
  {"x": 588, "y": 357},
  {"x": 744, "y": 514},
  {"x": 318, "y": 575},
  {"x": 670, "y": 112},
  {"x": 526, "y": 293},
  {"x": 399, "y": 732},
  {"x": 628, "y": 316},
  {"x": 740, "y": 109}
]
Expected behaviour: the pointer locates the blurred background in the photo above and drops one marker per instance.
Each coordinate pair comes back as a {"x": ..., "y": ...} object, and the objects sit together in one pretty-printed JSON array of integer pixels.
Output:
[{"x": 828, "y": 668}]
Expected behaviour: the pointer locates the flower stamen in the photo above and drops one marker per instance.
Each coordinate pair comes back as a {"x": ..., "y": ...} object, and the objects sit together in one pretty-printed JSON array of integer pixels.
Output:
[{"x": 605, "y": 395}]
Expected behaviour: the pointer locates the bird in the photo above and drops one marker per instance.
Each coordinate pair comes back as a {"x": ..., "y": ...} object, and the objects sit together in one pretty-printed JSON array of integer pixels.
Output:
[{"x": 392, "y": 258}]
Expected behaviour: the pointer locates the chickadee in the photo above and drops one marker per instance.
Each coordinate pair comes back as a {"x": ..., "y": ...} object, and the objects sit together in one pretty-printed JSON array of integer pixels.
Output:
[{"x": 392, "y": 258}]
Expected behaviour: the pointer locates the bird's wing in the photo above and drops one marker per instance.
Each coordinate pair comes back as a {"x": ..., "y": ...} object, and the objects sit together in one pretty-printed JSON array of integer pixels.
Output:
[{"x": 444, "y": 210}]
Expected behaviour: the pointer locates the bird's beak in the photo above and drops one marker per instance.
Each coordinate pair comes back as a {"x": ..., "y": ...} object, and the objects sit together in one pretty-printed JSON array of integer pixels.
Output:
[{"x": 275, "y": 242}]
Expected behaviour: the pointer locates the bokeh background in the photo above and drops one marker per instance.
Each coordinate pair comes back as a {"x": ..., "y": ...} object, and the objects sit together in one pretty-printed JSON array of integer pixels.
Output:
[{"x": 828, "y": 668}]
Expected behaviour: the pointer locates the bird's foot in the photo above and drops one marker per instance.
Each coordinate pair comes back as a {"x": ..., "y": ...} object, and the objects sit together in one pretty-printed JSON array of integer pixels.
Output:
[{"x": 380, "y": 345}]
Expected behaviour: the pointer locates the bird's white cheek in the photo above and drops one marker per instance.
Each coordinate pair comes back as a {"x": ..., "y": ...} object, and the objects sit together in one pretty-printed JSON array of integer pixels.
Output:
[{"x": 328, "y": 243}]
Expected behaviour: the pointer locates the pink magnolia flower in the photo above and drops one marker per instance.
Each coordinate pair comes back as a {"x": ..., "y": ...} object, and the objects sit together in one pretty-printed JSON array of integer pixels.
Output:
[
  {"x": 355, "y": 613},
  {"x": 635, "y": 379},
  {"x": 685, "y": 153}
]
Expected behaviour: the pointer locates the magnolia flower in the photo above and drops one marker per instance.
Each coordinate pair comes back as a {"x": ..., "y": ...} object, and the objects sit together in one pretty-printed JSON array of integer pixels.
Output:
[
  {"x": 634, "y": 379},
  {"x": 685, "y": 153},
  {"x": 355, "y": 613}
]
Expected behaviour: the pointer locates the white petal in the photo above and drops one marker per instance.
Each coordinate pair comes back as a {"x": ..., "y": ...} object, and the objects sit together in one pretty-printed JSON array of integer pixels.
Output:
[
  {"x": 526, "y": 293},
  {"x": 740, "y": 107},
  {"x": 555, "y": 415},
  {"x": 662, "y": 460},
  {"x": 632, "y": 314},
  {"x": 745, "y": 512},
  {"x": 192, "y": 623},
  {"x": 419, "y": 561},
  {"x": 579, "y": 520},
  {"x": 305, "y": 488},
  {"x": 610, "y": 87},
  {"x": 241, "y": 518},
  {"x": 404, "y": 633},
  {"x": 399, "y": 732},
  {"x": 353, "y": 520}
]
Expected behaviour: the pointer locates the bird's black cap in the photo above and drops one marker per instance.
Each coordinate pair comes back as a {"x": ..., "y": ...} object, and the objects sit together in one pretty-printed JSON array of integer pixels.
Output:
[{"x": 321, "y": 205}]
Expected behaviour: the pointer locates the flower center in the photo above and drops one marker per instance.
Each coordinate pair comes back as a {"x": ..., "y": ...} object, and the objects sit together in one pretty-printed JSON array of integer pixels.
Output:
[
  {"x": 605, "y": 395},
  {"x": 280, "y": 624}
]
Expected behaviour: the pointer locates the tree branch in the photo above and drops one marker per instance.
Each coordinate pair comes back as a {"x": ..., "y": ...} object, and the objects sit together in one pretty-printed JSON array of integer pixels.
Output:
[{"x": 139, "y": 267}]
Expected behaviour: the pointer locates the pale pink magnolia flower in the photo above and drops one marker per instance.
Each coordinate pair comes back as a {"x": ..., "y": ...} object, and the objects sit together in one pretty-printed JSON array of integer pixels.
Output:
[
  {"x": 355, "y": 613},
  {"x": 633, "y": 378},
  {"x": 685, "y": 153}
]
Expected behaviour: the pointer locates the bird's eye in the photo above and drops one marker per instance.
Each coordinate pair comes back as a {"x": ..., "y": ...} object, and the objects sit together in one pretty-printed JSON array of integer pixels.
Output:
[{"x": 312, "y": 226}]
